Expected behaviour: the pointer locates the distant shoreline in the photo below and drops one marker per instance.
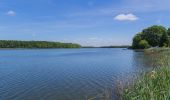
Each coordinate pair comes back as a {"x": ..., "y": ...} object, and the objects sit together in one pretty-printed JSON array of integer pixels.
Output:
[
  {"x": 108, "y": 47},
  {"x": 56, "y": 48},
  {"x": 17, "y": 44},
  {"x": 10, "y": 44}
]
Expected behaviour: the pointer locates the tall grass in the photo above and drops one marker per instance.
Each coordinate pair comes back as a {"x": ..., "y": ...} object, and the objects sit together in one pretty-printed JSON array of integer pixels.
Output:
[{"x": 153, "y": 85}]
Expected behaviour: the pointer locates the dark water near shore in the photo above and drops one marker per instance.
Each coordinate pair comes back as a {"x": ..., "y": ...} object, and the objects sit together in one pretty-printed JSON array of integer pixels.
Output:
[{"x": 64, "y": 74}]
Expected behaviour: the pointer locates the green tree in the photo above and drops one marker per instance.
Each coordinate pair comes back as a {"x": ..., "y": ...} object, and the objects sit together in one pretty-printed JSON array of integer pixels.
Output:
[
  {"x": 168, "y": 31},
  {"x": 143, "y": 44},
  {"x": 136, "y": 40},
  {"x": 153, "y": 34},
  {"x": 164, "y": 42}
]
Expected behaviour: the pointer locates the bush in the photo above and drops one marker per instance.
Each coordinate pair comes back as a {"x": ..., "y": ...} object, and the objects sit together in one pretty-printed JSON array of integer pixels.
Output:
[
  {"x": 168, "y": 32},
  {"x": 164, "y": 42},
  {"x": 143, "y": 44},
  {"x": 136, "y": 41}
]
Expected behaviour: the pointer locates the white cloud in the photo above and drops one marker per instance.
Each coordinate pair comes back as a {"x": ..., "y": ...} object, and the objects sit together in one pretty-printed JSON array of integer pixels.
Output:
[
  {"x": 11, "y": 13},
  {"x": 126, "y": 17}
]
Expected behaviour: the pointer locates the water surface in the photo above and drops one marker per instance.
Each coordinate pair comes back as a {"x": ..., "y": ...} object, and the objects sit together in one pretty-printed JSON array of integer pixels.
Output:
[{"x": 63, "y": 74}]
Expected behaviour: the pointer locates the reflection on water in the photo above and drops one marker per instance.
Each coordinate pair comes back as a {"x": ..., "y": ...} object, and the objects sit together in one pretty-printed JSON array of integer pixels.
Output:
[{"x": 64, "y": 74}]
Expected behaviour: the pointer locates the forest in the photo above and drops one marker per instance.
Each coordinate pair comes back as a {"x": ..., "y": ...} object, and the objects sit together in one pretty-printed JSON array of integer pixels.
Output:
[{"x": 36, "y": 44}]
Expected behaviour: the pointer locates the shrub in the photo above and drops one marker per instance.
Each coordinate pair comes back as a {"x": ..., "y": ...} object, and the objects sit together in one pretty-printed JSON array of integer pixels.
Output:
[
  {"x": 136, "y": 41},
  {"x": 164, "y": 42},
  {"x": 168, "y": 31},
  {"x": 143, "y": 44}
]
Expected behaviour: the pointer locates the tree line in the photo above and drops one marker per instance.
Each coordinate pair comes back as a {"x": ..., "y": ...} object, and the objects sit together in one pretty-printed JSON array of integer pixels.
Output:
[
  {"x": 154, "y": 36},
  {"x": 36, "y": 44},
  {"x": 122, "y": 46}
]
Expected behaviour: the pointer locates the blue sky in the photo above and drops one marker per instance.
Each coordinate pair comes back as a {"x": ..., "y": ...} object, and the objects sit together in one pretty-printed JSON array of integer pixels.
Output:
[{"x": 88, "y": 22}]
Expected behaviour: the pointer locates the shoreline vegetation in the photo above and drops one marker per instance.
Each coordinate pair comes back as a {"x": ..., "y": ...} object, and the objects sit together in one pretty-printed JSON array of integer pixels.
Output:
[
  {"x": 122, "y": 46},
  {"x": 14, "y": 44},
  {"x": 154, "y": 36},
  {"x": 154, "y": 84},
  {"x": 151, "y": 85}
]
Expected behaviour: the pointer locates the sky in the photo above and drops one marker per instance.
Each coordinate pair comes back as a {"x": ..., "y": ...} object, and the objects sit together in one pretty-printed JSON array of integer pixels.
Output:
[{"x": 87, "y": 22}]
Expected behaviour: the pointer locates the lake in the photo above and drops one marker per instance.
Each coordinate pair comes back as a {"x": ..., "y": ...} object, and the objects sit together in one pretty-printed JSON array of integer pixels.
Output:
[{"x": 64, "y": 74}]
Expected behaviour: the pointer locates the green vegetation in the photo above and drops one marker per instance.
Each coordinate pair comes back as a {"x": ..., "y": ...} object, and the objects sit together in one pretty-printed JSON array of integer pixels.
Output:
[
  {"x": 168, "y": 31},
  {"x": 153, "y": 36},
  {"x": 149, "y": 85},
  {"x": 122, "y": 46},
  {"x": 165, "y": 41},
  {"x": 143, "y": 44},
  {"x": 35, "y": 44},
  {"x": 153, "y": 85}
]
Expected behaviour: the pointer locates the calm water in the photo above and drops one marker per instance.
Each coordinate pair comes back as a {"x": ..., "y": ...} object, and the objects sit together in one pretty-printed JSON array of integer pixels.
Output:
[{"x": 63, "y": 74}]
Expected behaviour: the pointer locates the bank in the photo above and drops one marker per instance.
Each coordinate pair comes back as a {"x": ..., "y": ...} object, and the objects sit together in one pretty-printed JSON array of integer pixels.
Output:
[{"x": 152, "y": 85}]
